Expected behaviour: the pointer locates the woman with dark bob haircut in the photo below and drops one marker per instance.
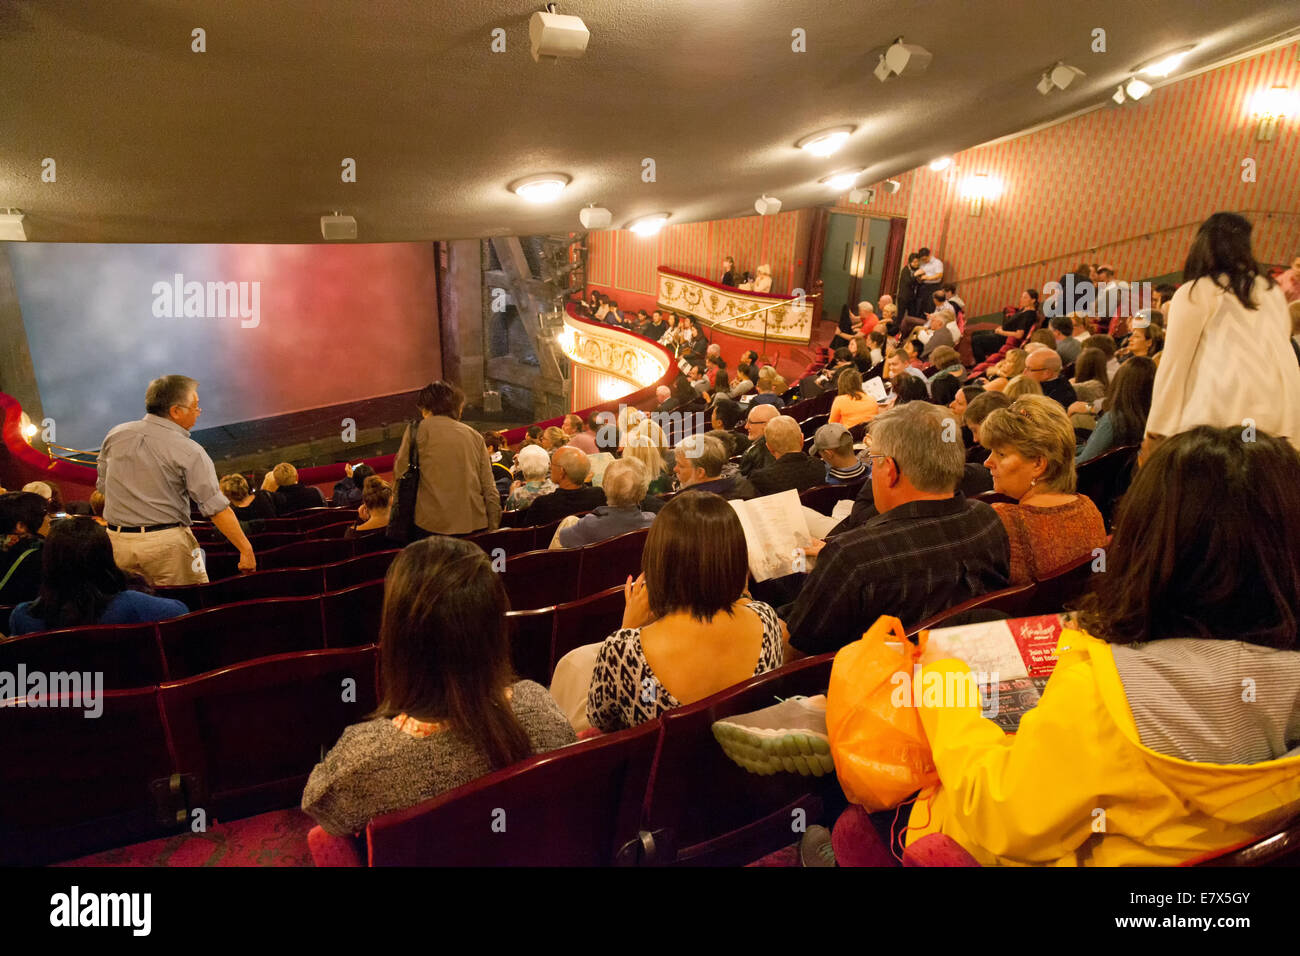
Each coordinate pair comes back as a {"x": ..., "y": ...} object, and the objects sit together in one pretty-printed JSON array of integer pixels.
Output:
[
  {"x": 452, "y": 710},
  {"x": 1174, "y": 715},
  {"x": 689, "y": 627}
]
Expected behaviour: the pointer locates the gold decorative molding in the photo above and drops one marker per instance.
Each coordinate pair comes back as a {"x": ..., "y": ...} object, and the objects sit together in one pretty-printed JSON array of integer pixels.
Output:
[
  {"x": 613, "y": 351},
  {"x": 737, "y": 312}
]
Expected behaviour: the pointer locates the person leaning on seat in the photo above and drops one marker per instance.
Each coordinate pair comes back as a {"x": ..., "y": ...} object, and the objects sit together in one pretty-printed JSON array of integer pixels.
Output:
[{"x": 149, "y": 470}]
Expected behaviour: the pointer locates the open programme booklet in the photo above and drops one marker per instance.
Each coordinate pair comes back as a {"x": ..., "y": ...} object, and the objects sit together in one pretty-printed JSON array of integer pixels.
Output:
[
  {"x": 1012, "y": 658},
  {"x": 776, "y": 533}
]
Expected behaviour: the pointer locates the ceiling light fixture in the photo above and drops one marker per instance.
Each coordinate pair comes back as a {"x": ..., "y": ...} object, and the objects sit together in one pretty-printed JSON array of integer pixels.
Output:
[
  {"x": 892, "y": 185},
  {"x": 553, "y": 35},
  {"x": 337, "y": 227},
  {"x": 649, "y": 225},
  {"x": 902, "y": 58},
  {"x": 1167, "y": 63},
  {"x": 595, "y": 217},
  {"x": 1118, "y": 96},
  {"x": 1058, "y": 77},
  {"x": 767, "y": 206},
  {"x": 827, "y": 141},
  {"x": 940, "y": 164},
  {"x": 544, "y": 187},
  {"x": 1136, "y": 89},
  {"x": 11, "y": 226},
  {"x": 842, "y": 180}
]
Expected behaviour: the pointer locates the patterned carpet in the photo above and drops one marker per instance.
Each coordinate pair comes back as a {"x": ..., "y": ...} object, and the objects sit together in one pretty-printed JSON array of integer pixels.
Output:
[{"x": 278, "y": 838}]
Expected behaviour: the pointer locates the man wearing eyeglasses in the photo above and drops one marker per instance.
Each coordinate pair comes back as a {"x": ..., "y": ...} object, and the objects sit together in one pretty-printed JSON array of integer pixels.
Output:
[
  {"x": 1044, "y": 367},
  {"x": 149, "y": 471}
]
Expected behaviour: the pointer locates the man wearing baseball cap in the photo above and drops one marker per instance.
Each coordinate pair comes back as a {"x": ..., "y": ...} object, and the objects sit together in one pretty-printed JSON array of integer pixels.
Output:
[{"x": 834, "y": 445}]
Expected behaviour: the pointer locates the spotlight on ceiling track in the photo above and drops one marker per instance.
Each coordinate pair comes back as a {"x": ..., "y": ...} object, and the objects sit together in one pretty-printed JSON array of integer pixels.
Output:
[
  {"x": 902, "y": 58},
  {"x": 11, "y": 226},
  {"x": 767, "y": 206},
  {"x": 595, "y": 217},
  {"x": 842, "y": 180},
  {"x": 544, "y": 187},
  {"x": 649, "y": 225},
  {"x": 1058, "y": 77},
  {"x": 1135, "y": 89},
  {"x": 892, "y": 185},
  {"x": 1167, "y": 63},
  {"x": 827, "y": 141},
  {"x": 336, "y": 227},
  {"x": 1118, "y": 96},
  {"x": 553, "y": 35}
]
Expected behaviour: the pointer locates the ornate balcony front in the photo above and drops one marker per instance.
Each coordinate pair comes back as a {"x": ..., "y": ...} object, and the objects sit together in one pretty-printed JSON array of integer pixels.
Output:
[
  {"x": 611, "y": 363},
  {"x": 753, "y": 315}
]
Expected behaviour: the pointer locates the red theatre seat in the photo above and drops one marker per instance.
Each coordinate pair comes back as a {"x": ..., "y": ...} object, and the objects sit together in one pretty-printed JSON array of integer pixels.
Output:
[
  {"x": 249, "y": 735},
  {"x": 305, "y": 553},
  {"x": 1015, "y": 601},
  {"x": 532, "y": 637},
  {"x": 824, "y": 498},
  {"x": 542, "y": 578},
  {"x": 128, "y": 655},
  {"x": 587, "y": 620},
  {"x": 510, "y": 540},
  {"x": 576, "y": 806},
  {"x": 351, "y": 616},
  {"x": 208, "y": 640},
  {"x": 359, "y": 570},
  {"x": 277, "y": 583},
  {"x": 608, "y": 563},
  {"x": 337, "y": 530}
]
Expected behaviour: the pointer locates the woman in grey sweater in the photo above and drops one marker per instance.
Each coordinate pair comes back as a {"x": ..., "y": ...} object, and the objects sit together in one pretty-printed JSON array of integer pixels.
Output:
[{"x": 452, "y": 711}]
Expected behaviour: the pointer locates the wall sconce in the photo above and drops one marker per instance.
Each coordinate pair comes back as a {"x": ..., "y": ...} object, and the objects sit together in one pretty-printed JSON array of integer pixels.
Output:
[
  {"x": 1270, "y": 106},
  {"x": 978, "y": 188}
]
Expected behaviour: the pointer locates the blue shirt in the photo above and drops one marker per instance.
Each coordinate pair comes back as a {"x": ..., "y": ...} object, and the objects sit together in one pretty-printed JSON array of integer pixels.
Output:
[{"x": 127, "y": 607}]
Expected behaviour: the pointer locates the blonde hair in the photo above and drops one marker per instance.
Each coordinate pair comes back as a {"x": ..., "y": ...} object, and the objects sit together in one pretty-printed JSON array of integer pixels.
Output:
[
  {"x": 556, "y": 437},
  {"x": 285, "y": 474},
  {"x": 764, "y": 270},
  {"x": 888, "y": 310},
  {"x": 1035, "y": 426},
  {"x": 1022, "y": 385},
  {"x": 641, "y": 447},
  {"x": 234, "y": 487},
  {"x": 770, "y": 380},
  {"x": 1014, "y": 360}
]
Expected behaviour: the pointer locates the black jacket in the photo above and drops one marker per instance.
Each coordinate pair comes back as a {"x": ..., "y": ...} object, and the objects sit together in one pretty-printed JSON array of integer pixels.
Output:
[
  {"x": 756, "y": 456},
  {"x": 297, "y": 497},
  {"x": 796, "y": 469},
  {"x": 563, "y": 502},
  {"x": 734, "y": 488}
]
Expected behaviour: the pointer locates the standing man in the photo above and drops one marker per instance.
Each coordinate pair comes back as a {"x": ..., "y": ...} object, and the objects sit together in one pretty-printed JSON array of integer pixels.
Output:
[
  {"x": 929, "y": 277},
  {"x": 149, "y": 471}
]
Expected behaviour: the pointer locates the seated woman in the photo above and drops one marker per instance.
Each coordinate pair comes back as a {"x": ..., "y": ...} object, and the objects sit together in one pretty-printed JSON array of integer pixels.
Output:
[
  {"x": 376, "y": 506},
  {"x": 852, "y": 406},
  {"x": 347, "y": 492},
  {"x": 1145, "y": 341},
  {"x": 534, "y": 466},
  {"x": 244, "y": 502},
  {"x": 624, "y": 483},
  {"x": 769, "y": 390},
  {"x": 81, "y": 585},
  {"x": 1091, "y": 379},
  {"x": 1144, "y": 717},
  {"x": 1014, "y": 330},
  {"x": 848, "y": 327},
  {"x": 1022, "y": 385},
  {"x": 1012, "y": 364},
  {"x": 688, "y": 629},
  {"x": 1031, "y": 456},
  {"x": 24, "y": 523},
  {"x": 553, "y": 438},
  {"x": 641, "y": 447},
  {"x": 1125, "y": 420},
  {"x": 944, "y": 389},
  {"x": 763, "y": 281},
  {"x": 452, "y": 709}
]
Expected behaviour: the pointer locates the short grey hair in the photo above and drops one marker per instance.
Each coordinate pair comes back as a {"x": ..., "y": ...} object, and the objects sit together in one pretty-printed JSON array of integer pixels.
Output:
[
  {"x": 573, "y": 462},
  {"x": 784, "y": 435},
  {"x": 533, "y": 461},
  {"x": 167, "y": 391},
  {"x": 625, "y": 482},
  {"x": 703, "y": 451},
  {"x": 925, "y": 442}
]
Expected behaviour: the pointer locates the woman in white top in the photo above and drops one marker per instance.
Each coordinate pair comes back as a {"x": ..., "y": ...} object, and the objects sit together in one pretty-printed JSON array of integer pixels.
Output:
[
  {"x": 1227, "y": 361},
  {"x": 763, "y": 281}
]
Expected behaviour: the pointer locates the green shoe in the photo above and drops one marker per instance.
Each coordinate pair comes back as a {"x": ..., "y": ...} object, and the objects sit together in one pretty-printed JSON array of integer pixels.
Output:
[{"x": 789, "y": 737}]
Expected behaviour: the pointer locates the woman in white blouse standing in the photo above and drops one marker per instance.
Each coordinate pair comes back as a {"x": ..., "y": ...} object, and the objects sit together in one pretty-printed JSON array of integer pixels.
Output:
[{"x": 1226, "y": 359}]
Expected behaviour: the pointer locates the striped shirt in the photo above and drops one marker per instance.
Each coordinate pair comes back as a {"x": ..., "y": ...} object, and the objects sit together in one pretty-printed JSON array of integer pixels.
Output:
[
  {"x": 150, "y": 470},
  {"x": 911, "y": 562}
]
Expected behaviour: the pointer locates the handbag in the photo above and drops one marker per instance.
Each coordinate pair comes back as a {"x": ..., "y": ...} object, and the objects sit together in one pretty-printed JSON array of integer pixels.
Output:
[{"x": 401, "y": 520}]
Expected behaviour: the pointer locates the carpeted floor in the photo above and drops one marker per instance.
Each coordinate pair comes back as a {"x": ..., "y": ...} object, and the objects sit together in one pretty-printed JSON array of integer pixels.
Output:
[{"x": 278, "y": 838}]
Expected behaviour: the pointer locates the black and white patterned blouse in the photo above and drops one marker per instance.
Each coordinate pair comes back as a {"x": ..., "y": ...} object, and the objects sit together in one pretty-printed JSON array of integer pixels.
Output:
[{"x": 624, "y": 691}]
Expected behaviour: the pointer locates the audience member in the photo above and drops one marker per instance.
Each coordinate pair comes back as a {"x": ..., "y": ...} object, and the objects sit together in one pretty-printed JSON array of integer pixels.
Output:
[
  {"x": 96, "y": 503},
  {"x": 81, "y": 584},
  {"x": 624, "y": 487},
  {"x": 581, "y": 434},
  {"x": 290, "y": 496},
  {"x": 1044, "y": 367},
  {"x": 1020, "y": 386},
  {"x": 246, "y": 503},
  {"x": 793, "y": 467},
  {"x": 769, "y": 389},
  {"x": 908, "y": 388},
  {"x": 962, "y": 399},
  {"x": 1015, "y": 329},
  {"x": 757, "y": 455},
  {"x": 1090, "y": 376},
  {"x": 149, "y": 471},
  {"x": 642, "y": 446},
  {"x": 944, "y": 389},
  {"x": 698, "y": 465},
  {"x": 1145, "y": 341},
  {"x": 927, "y": 549},
  {"x": 728, "y": 271},
  {"x": 457, "y": 494},
  {"x": 376, "y": 506},
  {"x": 553, "y": 438},
  {"x": 1031, "y": 456},
  {"x": 834, "y": 446},
  {"x": 689, "y": 615},
  {"x": 946, "y": 361},
  {"x": 24, "y": 523},
  {"x": 50, "y": 492},
  {"x": 572, "y": 495},
  {"x": 726, "y": 415},
  {"x": 1067, "y": 346},
  {"x": 1227, "y": 360},
  {"x": 852, "y": 406},
  {"x": 907, "y": 285},
  {"x": 1127, "y": 407},
  {"x": 534, "y": 466},
  {"x": 347, "y": 491},
  {"x": 452, "y": 709},
  {"x": 763, "y": 281},
  {"x": 847, "y": 328},
  {"x": 1290, "y": 281}
]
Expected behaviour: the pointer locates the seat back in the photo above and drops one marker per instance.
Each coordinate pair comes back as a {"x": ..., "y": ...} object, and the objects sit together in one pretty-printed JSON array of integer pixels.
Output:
[
  {"x": 250, "y": 734},
  {"x": 532, "y": 639},
  {"x": 1105, "y": 478},
  {"x": 222, "y": 636},
  {"x": 1015, "y": 601},
  {"x": 317, "y": 517},
  {"x": 351, "y": 617},
  {"x": 823, "y": 498},
  {"x": 71, "y": 785},
  {"x": 1062, "y": 587},
  {"x": 575, "y": 806},
  {"x": 608, "y": 563},
  {"x": 587, "y": 620},
  {"x": 368, "y": 542},
  {"x": 542, "y": 578},
  {"x": 276, "y": 583},
  {"x": 271, "y": 540},
  {"x": 302, "y": 554},
  {"x": 510, "y": 540},
  {"x": 701, "y": 808},
  {"x": 359, "y": 570},
  {"x": 128, "y": 655},
  {"x": 335, "y": 530}
]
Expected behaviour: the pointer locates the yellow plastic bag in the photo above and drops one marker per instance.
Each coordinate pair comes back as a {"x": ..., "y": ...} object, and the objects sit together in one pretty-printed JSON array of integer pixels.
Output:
[{"x": 880, "y": 750}]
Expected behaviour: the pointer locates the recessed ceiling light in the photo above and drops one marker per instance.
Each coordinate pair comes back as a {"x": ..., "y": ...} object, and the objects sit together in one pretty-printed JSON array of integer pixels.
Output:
[
  {"x": 1136, "y": 89},
  {"x": 827, "y": 141},
  {"x": 649, "y": 225},
  {"x": 1167, "y": 63},
  {"x": 843, "y": 179},
  {"x": 543, "y": 187},
  {"x": 940, "y": 164}
]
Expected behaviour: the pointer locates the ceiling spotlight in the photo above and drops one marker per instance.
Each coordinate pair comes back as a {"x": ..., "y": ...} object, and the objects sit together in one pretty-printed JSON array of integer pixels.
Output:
[
  {"x": 554, "y": 35},
  {"x": 595, "y": 217},
  {"x": 827, "y": 141},
  {"x": 1118, "y": 96},
  {"x": 842, "y": 180},
  {"x": 902, "y": 58},
  {"x": 1167, "y": 63},
  {"x": 862, "y": 197},
  {"x": 543, "y": 187},
  {"x": 11, "y": 226},
  {"x": 1058, "y": 77},
  {"x": 337, "y": 227},
  {"x": 1136, "y": 89},
  {"x": 1045, "y": 85},
  {"x": 767, "y": 206},
  {"x": 892, "y": 185},
  {"x": 649, "y": 225},
  {"x": 940, "y": 164}
]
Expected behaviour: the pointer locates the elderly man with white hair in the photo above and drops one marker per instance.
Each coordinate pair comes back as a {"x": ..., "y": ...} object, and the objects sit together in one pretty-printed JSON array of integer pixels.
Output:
[
  {"x": 625, "y": 483},
  {"x": 867, "y": 318},
  {"x": 757, "y": 456},
  {"x": 793, "y": 467},
  {"x": 698, "y": 464}
]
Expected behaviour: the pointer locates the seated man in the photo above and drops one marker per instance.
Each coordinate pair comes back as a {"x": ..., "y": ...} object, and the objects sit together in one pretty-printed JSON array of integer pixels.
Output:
[
  {"x": 569, "y": 470},
  {"x": 1044, "y": 366},
  {"x": 726, "y": 414},
  {"x": 625, "y": 484},
  {"x": 698, "y": 464},
  {"x": 793, "y": 468},
  {"x": 757, "y": 456},
  {"x": 834, "y": 445},
  {"x": 927, "y": 550},
  {"x": 288, "y": 495}
]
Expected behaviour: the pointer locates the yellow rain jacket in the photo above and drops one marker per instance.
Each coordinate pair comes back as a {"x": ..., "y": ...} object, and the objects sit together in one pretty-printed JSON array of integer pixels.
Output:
[{"x": 1034, "y": 798}]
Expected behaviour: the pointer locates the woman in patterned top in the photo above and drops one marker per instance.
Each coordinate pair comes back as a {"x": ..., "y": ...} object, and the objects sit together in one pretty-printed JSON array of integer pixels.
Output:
[{"x": 689, "y": 629}]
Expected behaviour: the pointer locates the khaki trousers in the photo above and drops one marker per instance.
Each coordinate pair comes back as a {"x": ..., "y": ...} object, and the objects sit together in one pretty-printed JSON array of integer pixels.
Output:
[{"x": 170, "y": 556}]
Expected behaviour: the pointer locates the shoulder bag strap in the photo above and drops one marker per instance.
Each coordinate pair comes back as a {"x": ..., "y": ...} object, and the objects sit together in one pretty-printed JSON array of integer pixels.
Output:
[{"x": 14, "y": 567}]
